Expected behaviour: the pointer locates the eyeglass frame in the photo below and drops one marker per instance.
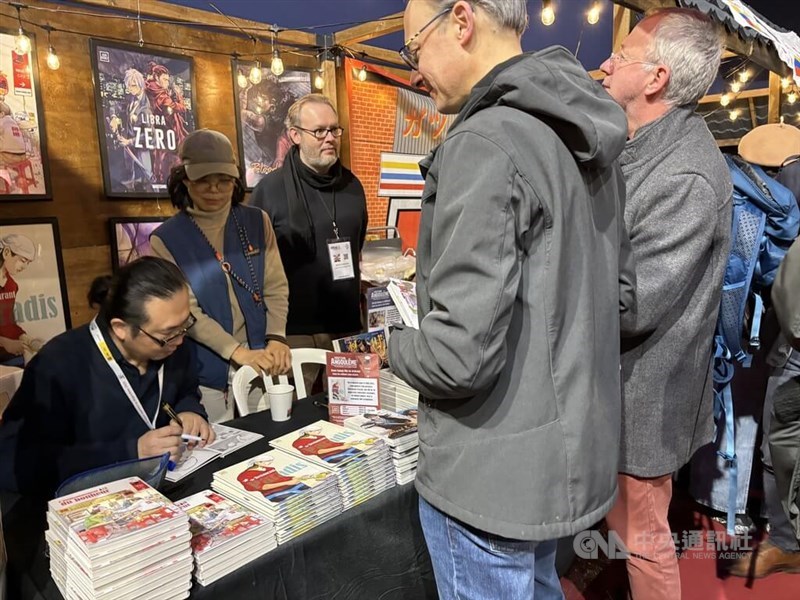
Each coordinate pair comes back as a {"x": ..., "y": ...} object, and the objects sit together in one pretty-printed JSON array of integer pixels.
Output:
[
  {"x": 163, "y": 342},
  {"x": 618, "y": 57},
  {"x": 219, "y": 184},
  {"x": 327, "y": 130},
  {"x": 411, "y": 59}
]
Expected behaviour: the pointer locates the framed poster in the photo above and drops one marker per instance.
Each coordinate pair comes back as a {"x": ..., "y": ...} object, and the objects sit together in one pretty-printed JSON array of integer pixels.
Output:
[
  {"x": 145, "y": 107},
  {"x": 130, "y": 238},
  {"x": 260, "y": 114},
  {"x": 24, "y": 173},
  {"x": 33, "y": 293}
]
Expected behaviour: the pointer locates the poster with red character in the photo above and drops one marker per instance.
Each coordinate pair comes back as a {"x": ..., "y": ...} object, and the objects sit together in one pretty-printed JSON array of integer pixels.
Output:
[{"x": 145, "y": 108}]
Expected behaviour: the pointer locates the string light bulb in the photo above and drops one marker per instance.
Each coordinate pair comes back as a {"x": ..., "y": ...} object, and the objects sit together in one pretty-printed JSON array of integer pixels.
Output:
[
  {"x": 255, "y": 73},
  {"x": 744, "y": 75},
  {"x": 319, "y": 80},
  {"x": 593, "y": 16},
  {"x": 53, "y": 62},
  {"x": 362, "y": 73},
  {"x": 785, "y": 82},
  {"x": 241, "y": 80},
  {"x": 725, "y": 99},
  {"x": 548, "y": 14},
  {"x": 277, "y": 63},
  {"x": 22, "y": 43},
  {"x": 736, "y": 87},
  {"x": 733, "y": 115},
  {"x": 792, "y": 97}
]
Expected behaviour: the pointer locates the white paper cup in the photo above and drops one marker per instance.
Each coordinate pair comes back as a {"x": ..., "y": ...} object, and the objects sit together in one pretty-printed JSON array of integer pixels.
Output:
[{"x": 280, "y": 401}]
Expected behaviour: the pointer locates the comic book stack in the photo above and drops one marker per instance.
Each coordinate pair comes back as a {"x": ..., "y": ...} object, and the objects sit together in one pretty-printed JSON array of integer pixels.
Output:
[
  {"x": 362, "y": 463},
  {"x": 293, "y": 494},
  {"x": 225, "y": 535},
  {"x": 119, "y": 540},
  {"x": 399, "y": 431},
  {"x": 396, "y": 394}
]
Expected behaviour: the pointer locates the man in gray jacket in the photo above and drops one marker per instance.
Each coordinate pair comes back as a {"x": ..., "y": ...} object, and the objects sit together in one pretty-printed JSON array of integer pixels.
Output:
[
  {"x": 518, "y": 290},
  {"x": 678, "y": 216}
]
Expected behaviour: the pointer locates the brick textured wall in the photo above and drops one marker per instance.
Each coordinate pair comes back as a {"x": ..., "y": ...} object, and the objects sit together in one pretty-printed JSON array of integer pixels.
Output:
[{"x": 373, "y": 108}]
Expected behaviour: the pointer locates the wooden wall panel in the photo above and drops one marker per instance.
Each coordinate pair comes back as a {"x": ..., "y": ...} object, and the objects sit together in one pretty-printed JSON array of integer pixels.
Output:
[{"x": 73, "y": 150}]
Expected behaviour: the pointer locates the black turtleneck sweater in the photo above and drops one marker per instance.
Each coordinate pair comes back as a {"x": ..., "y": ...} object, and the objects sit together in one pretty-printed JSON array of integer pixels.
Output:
[{"x": 317, "y": 303}]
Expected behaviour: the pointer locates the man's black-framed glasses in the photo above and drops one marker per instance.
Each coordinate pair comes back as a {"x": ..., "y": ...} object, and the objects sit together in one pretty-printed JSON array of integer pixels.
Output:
[
  {"x": 410, "y": 56},
  {"x": 179, "y": 334},
  {"x": 322, "y": 133}
]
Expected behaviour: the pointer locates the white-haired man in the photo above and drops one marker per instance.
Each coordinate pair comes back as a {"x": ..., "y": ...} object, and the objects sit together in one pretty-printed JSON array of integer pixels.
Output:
[
  {"x": 678, "y": 217},
  {"x": 516, "y": 358}
]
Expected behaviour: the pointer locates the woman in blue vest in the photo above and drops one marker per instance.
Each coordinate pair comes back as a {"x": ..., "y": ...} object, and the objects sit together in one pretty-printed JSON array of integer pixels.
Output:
[{"x": 229, "y": 254}]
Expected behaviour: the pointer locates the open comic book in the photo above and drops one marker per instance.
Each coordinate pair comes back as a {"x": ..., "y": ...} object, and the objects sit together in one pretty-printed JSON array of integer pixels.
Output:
[
  {"x": 404, "y": 295},
  {"x": 229, "y": 439}
]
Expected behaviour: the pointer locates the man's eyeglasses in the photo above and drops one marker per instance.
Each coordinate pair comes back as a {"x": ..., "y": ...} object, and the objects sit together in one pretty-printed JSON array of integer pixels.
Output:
[
  {"x": 618, "y": 59},
  {"x": 410, "y": 56},
  {"x": 321, "y": 133},
  {"x": 179, "y": 334}
]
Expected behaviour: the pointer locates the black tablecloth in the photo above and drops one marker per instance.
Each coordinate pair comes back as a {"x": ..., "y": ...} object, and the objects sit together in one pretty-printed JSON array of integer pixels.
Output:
[{"x": 374, "y": 550}]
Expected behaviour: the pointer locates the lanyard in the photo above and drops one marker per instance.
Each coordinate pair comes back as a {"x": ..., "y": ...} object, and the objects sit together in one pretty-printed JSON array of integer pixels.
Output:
[
  {"x": 123, "y": 381},
  {"x": 332, "y": 215}
]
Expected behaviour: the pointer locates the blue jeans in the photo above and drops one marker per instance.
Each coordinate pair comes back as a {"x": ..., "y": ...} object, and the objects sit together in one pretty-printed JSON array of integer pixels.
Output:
[{"x": 474, "y": 565}]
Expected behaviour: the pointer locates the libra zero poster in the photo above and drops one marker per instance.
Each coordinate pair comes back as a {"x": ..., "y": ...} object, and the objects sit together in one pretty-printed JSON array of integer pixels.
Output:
[{"x": 145, "y": 108}]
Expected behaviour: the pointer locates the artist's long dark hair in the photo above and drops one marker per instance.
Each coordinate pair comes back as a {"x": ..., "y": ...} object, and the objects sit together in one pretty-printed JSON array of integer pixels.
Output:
[
  {"x": 179, "y": 195},
  {"x": 134, "y": 284}
]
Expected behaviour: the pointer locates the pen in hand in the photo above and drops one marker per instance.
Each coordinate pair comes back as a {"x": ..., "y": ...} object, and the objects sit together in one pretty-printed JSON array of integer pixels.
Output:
[{"x": 172, "y": 414}]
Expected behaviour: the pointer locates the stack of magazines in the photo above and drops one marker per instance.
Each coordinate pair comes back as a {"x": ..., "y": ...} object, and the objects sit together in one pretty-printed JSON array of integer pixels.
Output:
[
  {"x": 119, "y": 540},
  {"x": 399, "y": 431},
  {"x": 225, "y": 535},
  {"x": 362, "y": 463},
  {"x": 293, "y": 494},
  {"x": 396, "y": 394}
]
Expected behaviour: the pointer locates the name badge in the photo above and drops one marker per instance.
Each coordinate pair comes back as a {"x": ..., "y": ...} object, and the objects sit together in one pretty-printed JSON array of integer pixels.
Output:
[{"x": 341, "y": 255}]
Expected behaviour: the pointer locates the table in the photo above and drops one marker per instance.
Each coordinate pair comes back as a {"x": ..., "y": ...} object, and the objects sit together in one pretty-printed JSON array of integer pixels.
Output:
[{"x": 374, "y": 550}]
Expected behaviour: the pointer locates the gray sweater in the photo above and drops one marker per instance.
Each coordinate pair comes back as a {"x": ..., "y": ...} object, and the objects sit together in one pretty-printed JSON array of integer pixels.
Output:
[{"x": 678, "y": 216}]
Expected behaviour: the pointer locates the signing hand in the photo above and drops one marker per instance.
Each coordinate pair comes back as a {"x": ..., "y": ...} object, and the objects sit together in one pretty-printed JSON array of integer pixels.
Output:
[
  {"x": 161, "y": 440},
  {"x": 194, "y": 424}
]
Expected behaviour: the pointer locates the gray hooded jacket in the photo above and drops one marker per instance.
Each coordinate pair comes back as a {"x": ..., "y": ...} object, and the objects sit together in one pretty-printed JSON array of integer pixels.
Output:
[{"x": 518, "y": 289}]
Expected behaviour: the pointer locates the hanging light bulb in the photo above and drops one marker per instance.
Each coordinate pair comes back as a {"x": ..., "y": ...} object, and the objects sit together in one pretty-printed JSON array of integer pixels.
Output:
[
  {"x": 744, "y": 75},
  {"x": 785, "y": 81},
  {"x": 22, "y": 43},
  {"x": 241, "y": 80},
  {"x": 362, "y": 73},
  {"x": 593, "y": 16},
  {"x": 255, "y": 73},
  {"x": 277, "y": 63},
  {"x": 53, "y": 62},
  {"x": 725, "y": 99},
  {"x": 792, "y": 97},
  {"x": 319, "y": 80},
  {"x": 548, "y": 14},
  {"x": 733, "y": 115},
  {"x": 736, "y": 87}
]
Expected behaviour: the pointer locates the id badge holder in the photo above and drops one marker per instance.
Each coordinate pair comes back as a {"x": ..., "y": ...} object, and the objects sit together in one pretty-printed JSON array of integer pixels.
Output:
[{"x": 340, "y": 253}]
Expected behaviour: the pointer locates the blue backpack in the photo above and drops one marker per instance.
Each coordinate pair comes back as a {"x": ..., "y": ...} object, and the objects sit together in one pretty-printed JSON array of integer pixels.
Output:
[{"x": 766, "y": 219}]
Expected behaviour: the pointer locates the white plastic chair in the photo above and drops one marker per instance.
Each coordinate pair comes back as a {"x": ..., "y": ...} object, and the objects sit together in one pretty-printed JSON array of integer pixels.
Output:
[
  {"x": 245, "y": 381},
  {"x": 301, "y": 356}
]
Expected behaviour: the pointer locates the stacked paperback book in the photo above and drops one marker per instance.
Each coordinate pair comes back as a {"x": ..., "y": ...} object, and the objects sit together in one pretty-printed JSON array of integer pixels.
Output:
[
  {"x": 290, "y": 492},
  {"x": 399, "y": 431},
  {"x": 225, "y": 535},
  {"x": 396, "y": 395},
  {"x": 362, "y": 463},
  {"x": 119, "y": 540}
]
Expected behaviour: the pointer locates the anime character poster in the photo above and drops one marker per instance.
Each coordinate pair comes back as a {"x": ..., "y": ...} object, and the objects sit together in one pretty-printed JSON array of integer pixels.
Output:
[
  {"x": 145, "y": 108},
  {"x": 260, "y": 114},
  {"x": 33, "y": 295},
  {"x": 130, "y": 238},
  {"x": 23, "y": 159}
]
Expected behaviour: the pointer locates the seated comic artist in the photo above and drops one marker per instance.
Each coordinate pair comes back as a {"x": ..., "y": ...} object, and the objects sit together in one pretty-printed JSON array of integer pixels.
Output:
[{"x": 93, "y": 395}]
